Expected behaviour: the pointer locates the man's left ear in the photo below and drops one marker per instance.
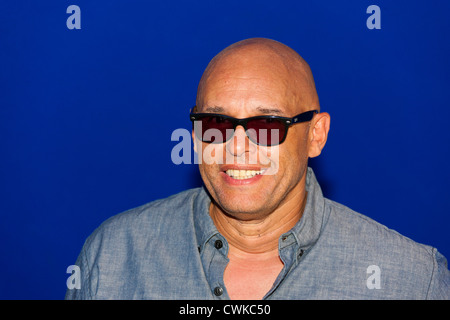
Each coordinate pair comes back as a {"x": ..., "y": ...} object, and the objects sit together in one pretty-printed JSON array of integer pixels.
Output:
[{"x": 318, "y": 133}]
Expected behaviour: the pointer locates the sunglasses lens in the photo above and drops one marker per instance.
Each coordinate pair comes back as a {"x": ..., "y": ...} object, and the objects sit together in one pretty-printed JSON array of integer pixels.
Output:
[
  {"x": 216, "y": 128},
  {"x": 266, "y": 131},
  {"x": 262, "y": 131}
]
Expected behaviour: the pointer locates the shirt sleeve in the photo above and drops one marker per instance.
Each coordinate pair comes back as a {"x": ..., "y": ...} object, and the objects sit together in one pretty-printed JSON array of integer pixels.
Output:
[
  {"x": 440, "y": 280},
  {"x": 88, "y": 277}
]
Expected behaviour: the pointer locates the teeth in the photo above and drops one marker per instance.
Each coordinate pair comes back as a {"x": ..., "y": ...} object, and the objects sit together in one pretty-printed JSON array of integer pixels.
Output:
[{"x": 243, "y": 174}]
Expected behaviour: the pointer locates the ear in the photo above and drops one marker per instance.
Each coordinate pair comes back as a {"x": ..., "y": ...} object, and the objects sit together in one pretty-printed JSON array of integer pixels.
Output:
[
  {"x": 194, "y": 140},
  {"x": 318, "y": 134}
]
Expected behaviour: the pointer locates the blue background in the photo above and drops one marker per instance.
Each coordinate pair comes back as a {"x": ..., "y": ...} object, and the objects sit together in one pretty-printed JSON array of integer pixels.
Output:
[{"x": 86, "y": 116}]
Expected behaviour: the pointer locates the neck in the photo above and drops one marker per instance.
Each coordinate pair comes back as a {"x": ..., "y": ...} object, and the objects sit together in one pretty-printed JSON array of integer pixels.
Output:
[{"x": 259, "y": 236}]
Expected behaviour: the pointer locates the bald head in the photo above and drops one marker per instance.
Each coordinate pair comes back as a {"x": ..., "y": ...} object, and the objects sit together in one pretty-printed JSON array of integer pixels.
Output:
[{"x": 265, "y": 59}]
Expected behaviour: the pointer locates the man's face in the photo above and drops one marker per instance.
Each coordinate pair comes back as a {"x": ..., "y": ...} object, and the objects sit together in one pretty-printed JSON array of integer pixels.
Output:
[{"x": 241, "y": 93}]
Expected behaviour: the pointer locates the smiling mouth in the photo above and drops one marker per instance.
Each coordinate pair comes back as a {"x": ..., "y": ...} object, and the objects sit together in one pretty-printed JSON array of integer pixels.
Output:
[{"x": 243, "y": 174}]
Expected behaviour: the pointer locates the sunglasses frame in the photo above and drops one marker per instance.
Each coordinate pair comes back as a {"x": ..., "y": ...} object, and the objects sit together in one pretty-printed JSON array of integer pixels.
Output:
[{"x": 302, "y": 117}]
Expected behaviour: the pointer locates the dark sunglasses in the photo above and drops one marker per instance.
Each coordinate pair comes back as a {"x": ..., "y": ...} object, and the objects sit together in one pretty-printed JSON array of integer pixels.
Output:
[{"x": 262, "y": 130}]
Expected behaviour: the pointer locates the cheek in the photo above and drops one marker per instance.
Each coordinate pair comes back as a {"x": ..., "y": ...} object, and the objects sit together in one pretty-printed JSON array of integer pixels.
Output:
[
  {"x": 269, "y": 157},
  {"x": 210, "y": 154},
  {"x": 293, "y": 158}
]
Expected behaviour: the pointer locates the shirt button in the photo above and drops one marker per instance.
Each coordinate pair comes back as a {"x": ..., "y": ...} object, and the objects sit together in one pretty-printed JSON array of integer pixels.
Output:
[
  {"x": 218, "y": 244},
  {"x": 218, "y": 291}
]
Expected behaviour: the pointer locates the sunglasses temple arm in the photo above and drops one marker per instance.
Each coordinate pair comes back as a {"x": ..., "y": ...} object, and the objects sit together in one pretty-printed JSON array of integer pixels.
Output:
[{"x": 304, "y": 116}]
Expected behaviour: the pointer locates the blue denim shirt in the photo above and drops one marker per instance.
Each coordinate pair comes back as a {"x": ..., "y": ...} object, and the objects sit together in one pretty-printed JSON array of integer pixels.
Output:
[{"x": 169, "y": 249}]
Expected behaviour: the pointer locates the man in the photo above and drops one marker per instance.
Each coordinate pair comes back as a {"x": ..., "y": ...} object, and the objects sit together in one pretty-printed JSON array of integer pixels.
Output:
[{"x": 260, "y": 229}]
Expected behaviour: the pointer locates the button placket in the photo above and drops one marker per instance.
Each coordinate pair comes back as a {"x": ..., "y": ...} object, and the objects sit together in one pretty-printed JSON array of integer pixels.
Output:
[
  {"x": 218, "y": 249},
  {"x": 289, "y": 252}
]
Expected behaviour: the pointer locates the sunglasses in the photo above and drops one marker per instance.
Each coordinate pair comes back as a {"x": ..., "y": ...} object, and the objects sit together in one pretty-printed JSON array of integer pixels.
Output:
[{"x": 261, "y": 130}]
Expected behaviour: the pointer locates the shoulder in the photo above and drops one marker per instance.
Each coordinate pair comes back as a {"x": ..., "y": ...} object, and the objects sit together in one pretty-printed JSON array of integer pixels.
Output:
[
  {"x": 135, "y": 228},
  {"x": 354, "y": 229},
  {"x": 409, "y": 269},
  {"x": 349, "y": 225},
  {"x": 158, "y": 211},
  {"x": 137, "y": 239}
]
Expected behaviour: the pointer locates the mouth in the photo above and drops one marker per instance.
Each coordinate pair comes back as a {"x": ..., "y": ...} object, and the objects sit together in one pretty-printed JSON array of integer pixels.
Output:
[
  {"x": 240, "y": 175},
  {"x": 243, "y": 174}
]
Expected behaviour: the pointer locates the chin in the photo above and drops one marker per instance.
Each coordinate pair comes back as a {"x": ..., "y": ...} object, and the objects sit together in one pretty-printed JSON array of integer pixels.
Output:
[
  {"x": 244, "y": 206},
  {"x": 246, "y": 200}
]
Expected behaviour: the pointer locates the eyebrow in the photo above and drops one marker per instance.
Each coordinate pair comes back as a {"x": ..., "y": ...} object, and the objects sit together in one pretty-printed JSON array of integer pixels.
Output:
[
  {"x": 214, "y": 109},
  {"x": 264, "y": 110},
  {"x": 260, "y": 109}
]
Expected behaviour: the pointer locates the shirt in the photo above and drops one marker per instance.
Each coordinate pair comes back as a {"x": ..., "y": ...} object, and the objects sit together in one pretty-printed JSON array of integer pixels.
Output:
[{"x": 171, "y": 249}]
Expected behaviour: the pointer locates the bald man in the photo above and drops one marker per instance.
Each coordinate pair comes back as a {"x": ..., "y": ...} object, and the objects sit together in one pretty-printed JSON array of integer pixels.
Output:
[{"x": 260, "y": 227}]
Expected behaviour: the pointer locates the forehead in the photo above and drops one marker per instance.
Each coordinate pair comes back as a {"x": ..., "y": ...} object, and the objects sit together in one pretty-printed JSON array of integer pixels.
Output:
[
  {"x": 251, "y": 81},
  {"x": 244, "y": 90}
]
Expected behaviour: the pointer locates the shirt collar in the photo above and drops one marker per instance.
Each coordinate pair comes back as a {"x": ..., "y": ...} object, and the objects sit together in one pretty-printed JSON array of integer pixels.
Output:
[
  {"x": 204, "y": 226},
  {"x": 305, "y": 233}
]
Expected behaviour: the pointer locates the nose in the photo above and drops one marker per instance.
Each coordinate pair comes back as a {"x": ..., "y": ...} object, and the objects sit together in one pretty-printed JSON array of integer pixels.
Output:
[{"x": 239, "y": 144}]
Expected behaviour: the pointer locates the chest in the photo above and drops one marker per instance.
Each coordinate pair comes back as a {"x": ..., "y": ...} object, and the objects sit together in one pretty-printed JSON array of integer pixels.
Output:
[{"x": 251, "y": 279}]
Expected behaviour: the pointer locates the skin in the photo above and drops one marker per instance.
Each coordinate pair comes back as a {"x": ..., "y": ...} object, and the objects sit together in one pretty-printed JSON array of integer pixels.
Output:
[{"x": 258, "y": 77}]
